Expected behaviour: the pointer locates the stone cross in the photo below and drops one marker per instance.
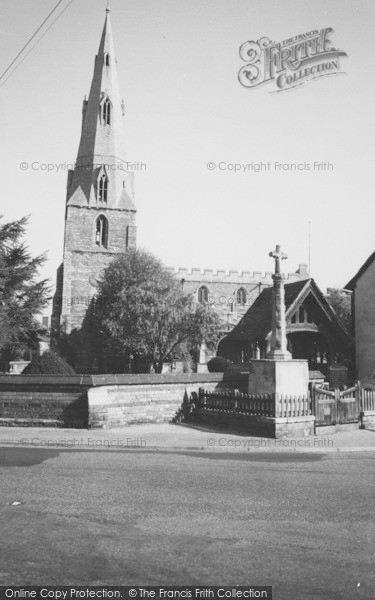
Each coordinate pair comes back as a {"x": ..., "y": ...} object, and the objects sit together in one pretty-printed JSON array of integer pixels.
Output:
[
  {"x": 278, "y": 350},
  {"x": 278, "y": 256}
]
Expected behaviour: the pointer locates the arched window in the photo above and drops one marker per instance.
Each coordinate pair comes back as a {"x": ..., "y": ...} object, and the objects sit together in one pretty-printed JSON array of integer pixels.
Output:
[
  {"x": 203, "y": 294},
  {"x": 106, "y": 112},
  {"x": 241, "y": 296},
  {"x": 101, "y": 232},
  {"x": 107, "y": 60},
  {"x": 103, "y": 188}
]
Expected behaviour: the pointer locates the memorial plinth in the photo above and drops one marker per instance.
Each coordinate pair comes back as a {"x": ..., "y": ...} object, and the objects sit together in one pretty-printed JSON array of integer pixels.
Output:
[{"x": 283, "y": 377}]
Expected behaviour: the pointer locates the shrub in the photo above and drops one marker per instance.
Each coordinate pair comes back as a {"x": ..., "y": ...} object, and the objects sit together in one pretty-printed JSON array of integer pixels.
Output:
[
  {"x": 218, "y": 364},
  {"x": 48, "y": 363}
]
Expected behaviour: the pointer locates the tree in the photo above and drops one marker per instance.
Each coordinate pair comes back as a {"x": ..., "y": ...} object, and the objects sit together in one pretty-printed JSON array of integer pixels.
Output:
[
  {"x": 142, "y": 309},
  {"x": 341, "y": 304},
  {"x": 218, "y": 364},
  {"x": 22, "y": 296},
  {"x": 48, "y": 363}
]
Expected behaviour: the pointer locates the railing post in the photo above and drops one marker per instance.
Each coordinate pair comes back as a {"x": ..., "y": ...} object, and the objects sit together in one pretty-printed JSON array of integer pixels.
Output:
[
  {"x": 338, "y": 406},
  {"x": 313, "y": 405},
  {"x": 276, "y": 407},
  {"x": 359, "y": 396}
]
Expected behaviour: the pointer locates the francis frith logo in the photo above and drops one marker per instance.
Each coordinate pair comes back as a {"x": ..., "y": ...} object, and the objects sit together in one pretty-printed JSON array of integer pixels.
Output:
[{"x": 290, "y": 63}]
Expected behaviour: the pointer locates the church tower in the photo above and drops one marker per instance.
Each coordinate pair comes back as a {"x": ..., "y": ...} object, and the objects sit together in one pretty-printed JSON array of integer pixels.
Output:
[{"x": 100, "y": 212}]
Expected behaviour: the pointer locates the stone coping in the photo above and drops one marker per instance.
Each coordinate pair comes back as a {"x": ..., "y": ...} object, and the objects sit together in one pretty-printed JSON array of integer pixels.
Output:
[
  {"x": 111, "y": 379},
  {"x": 278, "y": 360}
]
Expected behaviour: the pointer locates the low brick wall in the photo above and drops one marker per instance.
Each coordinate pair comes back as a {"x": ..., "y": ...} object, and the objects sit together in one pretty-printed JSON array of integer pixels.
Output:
[
  {"x": 98, "y": 400},
  {"x": 36, "y": 400},
  {"x": 120, "y": 400}
]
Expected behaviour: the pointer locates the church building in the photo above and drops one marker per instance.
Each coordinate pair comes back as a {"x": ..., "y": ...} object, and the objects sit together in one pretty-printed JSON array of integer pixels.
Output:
[{"x": 100, "y": 216}]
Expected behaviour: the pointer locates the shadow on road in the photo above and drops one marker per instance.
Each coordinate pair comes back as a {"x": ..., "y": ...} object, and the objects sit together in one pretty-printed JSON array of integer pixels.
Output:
[{"x": 27, "y": 457}]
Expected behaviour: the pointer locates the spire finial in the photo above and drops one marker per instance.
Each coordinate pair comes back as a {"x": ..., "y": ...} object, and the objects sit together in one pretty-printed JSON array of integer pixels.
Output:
[{"x": 107, "y": 10}]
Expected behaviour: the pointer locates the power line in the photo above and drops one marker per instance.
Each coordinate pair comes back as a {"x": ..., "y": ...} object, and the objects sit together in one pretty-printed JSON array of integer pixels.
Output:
[
  {"x": 32, "y": 37},
  {"x": 36, "y": 43}
]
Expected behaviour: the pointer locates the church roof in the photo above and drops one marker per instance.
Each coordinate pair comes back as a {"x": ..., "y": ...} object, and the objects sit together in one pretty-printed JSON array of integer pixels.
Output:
[
  {"x": 352, "y": 283},
  {"x": 257, "y": 322}
]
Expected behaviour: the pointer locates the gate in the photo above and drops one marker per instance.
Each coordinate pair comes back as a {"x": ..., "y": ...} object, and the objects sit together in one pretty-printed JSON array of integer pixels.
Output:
[{"x": 336, "y": 407}]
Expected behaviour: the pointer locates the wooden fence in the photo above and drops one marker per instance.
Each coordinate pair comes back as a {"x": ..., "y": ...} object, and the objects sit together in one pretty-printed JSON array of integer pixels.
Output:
[
  {"x": 328, "y": 406},
  {"x": 267, "y": 405},
  {"x": 367, "y": 399}
]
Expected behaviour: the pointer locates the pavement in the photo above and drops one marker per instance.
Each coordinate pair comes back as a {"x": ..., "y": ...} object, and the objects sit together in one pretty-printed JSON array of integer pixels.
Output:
[{"x": 172, "y": 437}]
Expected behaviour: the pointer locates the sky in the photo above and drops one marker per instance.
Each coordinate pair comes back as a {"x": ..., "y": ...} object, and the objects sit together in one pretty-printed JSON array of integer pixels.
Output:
[{"x": 178, "y": 63}]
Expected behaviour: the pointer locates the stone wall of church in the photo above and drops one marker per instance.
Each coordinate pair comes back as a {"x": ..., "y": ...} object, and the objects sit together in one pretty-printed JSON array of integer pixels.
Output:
[
  {"x": 84, "y": 261},
  {"x": 223, "y": 287},
  {"x": 80, "y": 228}
]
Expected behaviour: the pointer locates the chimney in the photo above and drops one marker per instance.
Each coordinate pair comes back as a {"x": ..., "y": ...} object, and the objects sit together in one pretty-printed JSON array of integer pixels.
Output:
[{"x": 303, "y": 271}]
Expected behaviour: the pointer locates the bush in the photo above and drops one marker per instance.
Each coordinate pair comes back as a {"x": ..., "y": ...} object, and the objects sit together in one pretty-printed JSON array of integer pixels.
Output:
[
  {"x": 218, "y": 364},
  {"x": 48, "y": 363}
]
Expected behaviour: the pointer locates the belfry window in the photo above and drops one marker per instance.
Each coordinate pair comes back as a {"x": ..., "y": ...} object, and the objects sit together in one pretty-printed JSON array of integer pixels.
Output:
[
  {"x": 203, "y": 295},
  {"x": 101, "y": 232},
  {"x": 106, "y": 112},
  {"x": 241, "y": 296},
  {"x": 107, "y": 60},
  {"x": 103, "y": 188}
]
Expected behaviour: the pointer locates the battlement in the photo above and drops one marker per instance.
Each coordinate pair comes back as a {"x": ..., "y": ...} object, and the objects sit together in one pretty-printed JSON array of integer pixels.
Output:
[{"x": 240, "y": 277}]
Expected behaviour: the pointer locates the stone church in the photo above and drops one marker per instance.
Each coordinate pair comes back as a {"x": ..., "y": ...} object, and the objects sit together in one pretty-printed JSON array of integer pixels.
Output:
[{"x": 100, "y": 216}]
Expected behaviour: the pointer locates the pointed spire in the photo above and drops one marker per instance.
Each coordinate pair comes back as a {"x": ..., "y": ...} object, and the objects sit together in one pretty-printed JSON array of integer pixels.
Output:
[{"x": 102, "y": 139}]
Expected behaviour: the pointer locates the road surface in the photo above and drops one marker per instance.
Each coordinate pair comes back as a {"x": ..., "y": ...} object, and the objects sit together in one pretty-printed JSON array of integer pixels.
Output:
[{"x": 301, "y": 522}]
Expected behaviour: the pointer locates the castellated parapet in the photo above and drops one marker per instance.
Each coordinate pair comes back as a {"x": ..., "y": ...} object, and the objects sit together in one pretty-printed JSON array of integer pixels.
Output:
[{"x": 211, "y": 275}]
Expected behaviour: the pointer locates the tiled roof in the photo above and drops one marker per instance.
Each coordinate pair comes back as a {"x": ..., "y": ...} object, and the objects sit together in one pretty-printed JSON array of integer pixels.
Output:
[{"x": 257, "y": 322}]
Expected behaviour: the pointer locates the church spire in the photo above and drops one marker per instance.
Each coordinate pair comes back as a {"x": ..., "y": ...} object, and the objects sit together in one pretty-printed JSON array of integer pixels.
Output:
[{"x": 102, "y": 145}]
